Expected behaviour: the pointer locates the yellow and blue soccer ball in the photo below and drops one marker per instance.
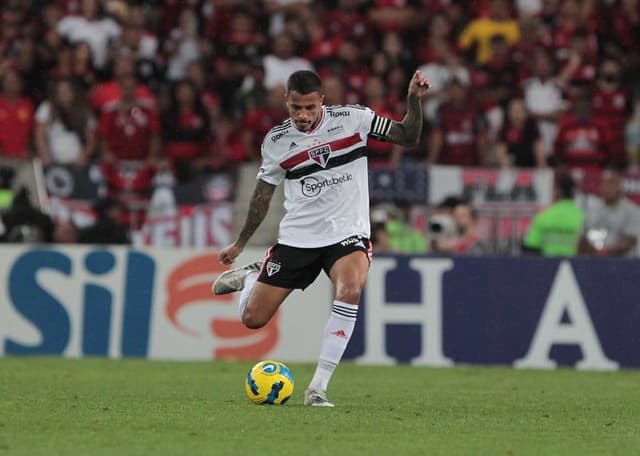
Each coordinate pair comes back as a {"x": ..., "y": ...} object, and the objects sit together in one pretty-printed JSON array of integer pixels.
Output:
[{"x": 269, "y": 382}]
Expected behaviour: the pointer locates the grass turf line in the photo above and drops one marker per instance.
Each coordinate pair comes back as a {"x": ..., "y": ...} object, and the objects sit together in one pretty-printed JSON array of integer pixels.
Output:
[{"x": 51, "y": 406}]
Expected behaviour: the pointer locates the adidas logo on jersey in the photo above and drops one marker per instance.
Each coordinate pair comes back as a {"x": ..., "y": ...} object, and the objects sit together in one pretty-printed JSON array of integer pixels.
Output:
[{"x": 293, "y": 145}]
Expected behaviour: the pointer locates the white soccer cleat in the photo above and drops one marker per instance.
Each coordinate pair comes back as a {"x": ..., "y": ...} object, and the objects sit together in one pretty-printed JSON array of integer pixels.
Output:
[
  {"x": 316, "y": 398},
  {"x": 233, "y": 279}
]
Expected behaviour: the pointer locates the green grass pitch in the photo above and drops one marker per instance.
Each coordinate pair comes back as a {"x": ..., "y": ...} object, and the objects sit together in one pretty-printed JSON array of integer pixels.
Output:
[{"x": 51, "y": 406}]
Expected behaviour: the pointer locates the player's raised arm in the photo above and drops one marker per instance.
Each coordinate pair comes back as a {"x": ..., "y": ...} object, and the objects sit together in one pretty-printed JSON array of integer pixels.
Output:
[
  {"x": 258, "y": 208},
  {"x": 408, "y": 131}
]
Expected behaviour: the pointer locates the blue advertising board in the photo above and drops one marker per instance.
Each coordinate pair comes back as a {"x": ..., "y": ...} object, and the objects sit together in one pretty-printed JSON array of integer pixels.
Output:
[
  {"x": 526, "y": 312},
  {"x": 523, "y": 312}
]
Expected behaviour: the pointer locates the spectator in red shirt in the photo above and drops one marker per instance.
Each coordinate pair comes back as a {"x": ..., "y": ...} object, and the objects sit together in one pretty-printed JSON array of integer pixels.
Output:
[
  {"x": 351, "y": 64},
  {"x": 457, "y": 137},
  {"x": 129, "y": 127},
  {"x": 257, "y": 122},
  {"x": 620, "y": 28},
  {"x": 438, "y": 33},
  {"x": 626, "y": 21},
  {"x": 392, "y": 15},
  {"x": 334, "y": 91},
  {"x": 227, "y": 149},
  {"x": 520, "y": 143},
  {"x": 63, "y": 66},
  {"x": 612, "y": 106},
  {"x": 185, "y": 124},
  {"x": 380, "y": 153},
  {"x": 346, "y": 21},
  {"x": 82, "y": 71},
  {"x": 500, "y": 73},
  {"x": 16, "y": 118},
  {"x": 573, "y": 18},
  {"x": 110, "y": 91},
  {"x": 235, "y": 51},
  {"x": 323, "y": 45},
  {"x": 582, "y": 140},
  {"x": 130, "y": 144},
  {"x": 197, "y": 75},
  {"x": 532, "y": 37},
  {"x": 139, "y": 42},
  {"x": 49, "y": 40},
  {"x": 579, "y": 69}
]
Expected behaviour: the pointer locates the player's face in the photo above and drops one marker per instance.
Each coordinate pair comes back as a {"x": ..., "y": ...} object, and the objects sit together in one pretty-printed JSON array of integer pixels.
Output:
[{"x": 305, "y": 109}]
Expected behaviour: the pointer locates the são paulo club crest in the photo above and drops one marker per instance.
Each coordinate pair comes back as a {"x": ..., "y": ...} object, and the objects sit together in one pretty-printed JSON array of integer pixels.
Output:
[
  {"x": 272, "y": 268},
  {"x": 321, "y": 155}
]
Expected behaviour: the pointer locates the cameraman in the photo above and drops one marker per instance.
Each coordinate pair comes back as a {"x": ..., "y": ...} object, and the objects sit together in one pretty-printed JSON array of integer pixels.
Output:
[{"x": 453, "y": 229}]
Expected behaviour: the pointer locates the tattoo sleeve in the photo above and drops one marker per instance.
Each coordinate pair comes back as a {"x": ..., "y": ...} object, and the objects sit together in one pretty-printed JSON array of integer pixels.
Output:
[
  {"x": 258, "y": 208},
  {"x": 407, "y": 132}
]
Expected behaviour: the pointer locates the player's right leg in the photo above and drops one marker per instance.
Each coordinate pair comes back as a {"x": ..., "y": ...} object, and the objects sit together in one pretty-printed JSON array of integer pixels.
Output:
[
  {"x": 258, "y": 301},
  {"x": 262, "y": 304}
]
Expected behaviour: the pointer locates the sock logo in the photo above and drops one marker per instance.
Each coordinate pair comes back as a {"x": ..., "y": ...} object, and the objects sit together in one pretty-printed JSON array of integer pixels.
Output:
[
  {"x": 340, "y": 333},
  {"x": 272, "y": 268}
]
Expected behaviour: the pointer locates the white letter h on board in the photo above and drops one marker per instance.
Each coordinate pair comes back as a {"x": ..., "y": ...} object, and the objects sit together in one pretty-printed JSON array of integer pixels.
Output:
[{"x": 427, "y": 313}]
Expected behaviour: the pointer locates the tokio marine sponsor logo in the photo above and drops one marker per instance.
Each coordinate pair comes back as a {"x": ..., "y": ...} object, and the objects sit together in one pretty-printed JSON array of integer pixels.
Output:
[{"x": 312, "y": 186}]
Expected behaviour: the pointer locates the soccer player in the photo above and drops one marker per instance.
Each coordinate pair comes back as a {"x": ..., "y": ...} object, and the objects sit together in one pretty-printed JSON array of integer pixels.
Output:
[{"x": 320, "y": 154}]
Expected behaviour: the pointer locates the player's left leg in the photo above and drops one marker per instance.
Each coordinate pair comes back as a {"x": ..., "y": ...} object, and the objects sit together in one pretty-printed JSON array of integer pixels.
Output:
[{"x": 349, "y": 275}]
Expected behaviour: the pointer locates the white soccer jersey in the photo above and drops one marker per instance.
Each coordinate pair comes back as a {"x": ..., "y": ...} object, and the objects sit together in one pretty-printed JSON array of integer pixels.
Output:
[{"x": 326, "y": 185}]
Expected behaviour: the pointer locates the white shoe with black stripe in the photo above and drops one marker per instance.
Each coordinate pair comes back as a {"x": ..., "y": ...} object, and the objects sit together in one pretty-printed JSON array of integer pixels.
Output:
[{"x": 233, "y": 279}]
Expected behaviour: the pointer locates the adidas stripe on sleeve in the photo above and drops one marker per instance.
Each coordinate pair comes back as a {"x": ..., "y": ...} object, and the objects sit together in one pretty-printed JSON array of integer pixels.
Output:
[{"x": 380, "y": 127}]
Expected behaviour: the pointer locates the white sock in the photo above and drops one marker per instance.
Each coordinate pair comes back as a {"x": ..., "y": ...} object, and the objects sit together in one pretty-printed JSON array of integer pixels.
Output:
[
  {"x": 249, "y": 282},
  {"x": 336, "y": 337}
]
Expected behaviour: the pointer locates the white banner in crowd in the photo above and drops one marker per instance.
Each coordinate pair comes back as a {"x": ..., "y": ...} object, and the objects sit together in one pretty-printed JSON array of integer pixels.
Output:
[{"x": 489, "y": 185}]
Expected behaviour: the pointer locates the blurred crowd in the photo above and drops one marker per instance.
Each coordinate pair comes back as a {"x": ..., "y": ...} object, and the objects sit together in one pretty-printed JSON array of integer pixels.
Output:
[{"x": 190, "y": 85}]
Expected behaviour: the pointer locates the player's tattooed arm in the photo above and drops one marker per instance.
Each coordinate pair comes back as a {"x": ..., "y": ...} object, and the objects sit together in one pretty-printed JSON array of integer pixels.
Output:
[
  {"x": 407, "y": 133},
  {"x": 258, "y": 208}
]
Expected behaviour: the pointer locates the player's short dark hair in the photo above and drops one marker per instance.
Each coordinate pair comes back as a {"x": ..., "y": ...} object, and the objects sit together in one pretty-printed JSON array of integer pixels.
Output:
[{"x": 304, "y": 82}]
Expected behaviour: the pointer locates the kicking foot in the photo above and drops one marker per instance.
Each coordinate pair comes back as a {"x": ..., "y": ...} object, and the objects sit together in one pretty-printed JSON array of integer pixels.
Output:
[
  {"x": 233, "y": 279},
  {"x": 316, "y": 398}
]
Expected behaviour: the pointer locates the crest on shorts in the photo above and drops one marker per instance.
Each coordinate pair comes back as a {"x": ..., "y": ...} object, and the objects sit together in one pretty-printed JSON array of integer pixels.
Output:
[
  {"x": 321, "y": 155},
  {"x": 272, "y": 268}
]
